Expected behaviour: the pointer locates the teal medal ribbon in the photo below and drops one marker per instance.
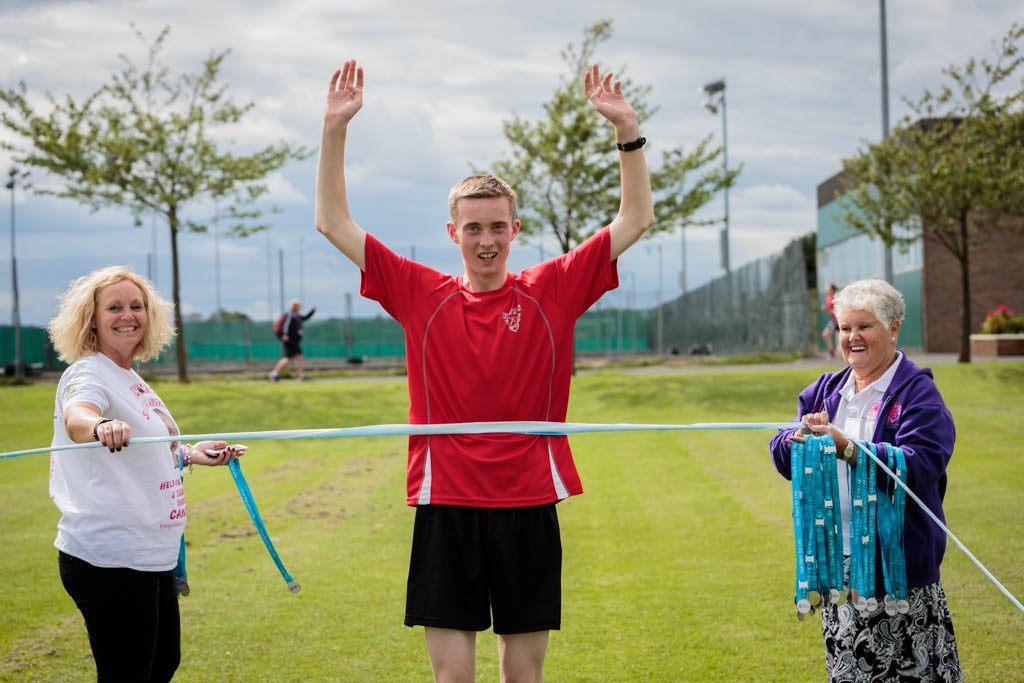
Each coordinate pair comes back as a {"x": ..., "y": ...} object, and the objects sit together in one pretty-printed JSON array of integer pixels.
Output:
[
  {"x": 796, "y": 469},
  {"x": 864, "y": 533},
  {"x": 860, "y": 537},
  {"x": 814, "y": 480},
  {"x": 833, "y": 537},
  {"x": 254, "y": 513},
  {"x": 817, "y": 540},
  {"x": 887, "y": 532},
  {"x": 807, "y": 503},
  {"x": 900, "y": 503},
  {"x": 180, "y": 574},
  {"x": 890, "y": 534},
  {"x": 872, "y": 529}
]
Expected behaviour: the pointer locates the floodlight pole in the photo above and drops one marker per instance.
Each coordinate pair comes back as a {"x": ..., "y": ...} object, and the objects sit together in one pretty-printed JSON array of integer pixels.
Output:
[
  {"x": 885, "y": 114},
  {"x": 710, "y": 91},
  {"x": 682, "y": 229}
]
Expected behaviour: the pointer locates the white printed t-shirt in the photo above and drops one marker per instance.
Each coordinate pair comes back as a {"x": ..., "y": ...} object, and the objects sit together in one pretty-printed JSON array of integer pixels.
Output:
[{"x": 122, "y": 509}]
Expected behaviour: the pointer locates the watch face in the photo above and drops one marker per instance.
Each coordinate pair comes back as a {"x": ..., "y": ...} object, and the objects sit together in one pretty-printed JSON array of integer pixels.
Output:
[{"x": 849, "y": 451}]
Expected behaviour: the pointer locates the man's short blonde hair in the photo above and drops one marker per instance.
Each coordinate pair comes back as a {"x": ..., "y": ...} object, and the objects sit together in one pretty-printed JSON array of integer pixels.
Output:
[
  {"x": 72, "y": 332},
  {"x": 480, "y": 186}
]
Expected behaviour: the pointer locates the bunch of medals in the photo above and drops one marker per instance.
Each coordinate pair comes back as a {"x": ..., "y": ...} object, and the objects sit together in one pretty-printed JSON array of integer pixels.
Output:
[{"x": 817, "y": 530}]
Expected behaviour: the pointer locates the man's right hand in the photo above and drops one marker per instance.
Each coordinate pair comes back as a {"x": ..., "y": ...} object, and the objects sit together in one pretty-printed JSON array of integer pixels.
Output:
[{"x": 345, "y": 95}]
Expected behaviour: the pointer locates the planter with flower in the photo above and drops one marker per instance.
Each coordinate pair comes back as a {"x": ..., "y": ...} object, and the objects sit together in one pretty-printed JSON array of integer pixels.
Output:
[{"x": 1002, "y": 334}]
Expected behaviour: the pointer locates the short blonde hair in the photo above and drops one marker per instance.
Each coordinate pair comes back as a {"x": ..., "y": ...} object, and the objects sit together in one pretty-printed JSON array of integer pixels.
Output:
[
  {"x": 877, "y": 296},
  {"x": 71, "y": 330},
  {"x": 480, "y": 186}
]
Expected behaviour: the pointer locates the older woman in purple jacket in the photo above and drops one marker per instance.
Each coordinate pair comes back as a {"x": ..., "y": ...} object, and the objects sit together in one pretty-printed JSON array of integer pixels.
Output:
[{"x": 883, "y": 397}]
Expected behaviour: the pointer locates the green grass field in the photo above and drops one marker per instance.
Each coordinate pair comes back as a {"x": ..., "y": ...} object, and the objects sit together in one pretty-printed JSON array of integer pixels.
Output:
[{"x": 678, "y": 558}]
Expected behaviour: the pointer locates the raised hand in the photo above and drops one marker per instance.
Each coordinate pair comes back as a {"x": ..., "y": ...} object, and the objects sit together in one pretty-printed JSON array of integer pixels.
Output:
[
  {"x": 607, "y": 97},
  {"x": 345, "y": 94}
]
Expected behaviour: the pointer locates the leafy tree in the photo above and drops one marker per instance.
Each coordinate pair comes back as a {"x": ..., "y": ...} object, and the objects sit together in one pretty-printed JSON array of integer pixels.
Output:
[
  {"x": 953, "y": 172},
  {"x": 566, "y": 173},
  {"x": 145, "y": 141},
  {"x": 224, "y": 315}
]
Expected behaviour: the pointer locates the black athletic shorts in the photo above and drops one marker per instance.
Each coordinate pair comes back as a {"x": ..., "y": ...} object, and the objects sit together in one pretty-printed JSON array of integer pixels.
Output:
[
  {"x": 292, "y": 347},
  {"x": 470, "y": 563}
]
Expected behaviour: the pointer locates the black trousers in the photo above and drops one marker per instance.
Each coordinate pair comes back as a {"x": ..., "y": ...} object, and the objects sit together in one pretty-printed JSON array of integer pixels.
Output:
[{"x": 131, "y": 616}]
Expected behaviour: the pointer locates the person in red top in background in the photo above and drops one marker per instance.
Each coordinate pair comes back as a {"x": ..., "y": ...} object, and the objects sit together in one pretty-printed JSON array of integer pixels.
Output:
[
  {"x": 487, "y": 345},
  {"x": 832, "y": 326}
]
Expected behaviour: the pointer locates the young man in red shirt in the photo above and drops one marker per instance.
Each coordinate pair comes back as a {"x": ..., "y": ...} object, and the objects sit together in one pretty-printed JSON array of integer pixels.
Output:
[{"x": 488, "y": 345}]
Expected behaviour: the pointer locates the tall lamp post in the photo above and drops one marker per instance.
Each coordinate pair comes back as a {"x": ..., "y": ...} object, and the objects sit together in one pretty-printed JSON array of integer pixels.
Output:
[
  {"x": 884, "y": 43},
  {"x": 16, "y": 178},
  {"x": 714, "y": 99},
  {"x": 678, "y": 153}
]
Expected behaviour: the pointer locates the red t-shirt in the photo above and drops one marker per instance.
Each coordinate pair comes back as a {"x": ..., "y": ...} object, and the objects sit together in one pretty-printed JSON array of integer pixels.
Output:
[{"x": 503, "y": 355}]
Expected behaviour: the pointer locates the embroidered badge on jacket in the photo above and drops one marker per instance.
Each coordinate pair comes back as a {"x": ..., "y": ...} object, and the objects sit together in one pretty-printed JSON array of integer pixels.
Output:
[{"x": 513, "y": 317}]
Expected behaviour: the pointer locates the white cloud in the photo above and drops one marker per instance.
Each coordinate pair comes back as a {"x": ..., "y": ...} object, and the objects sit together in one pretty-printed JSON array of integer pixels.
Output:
[{"x": 803, "y": 88}]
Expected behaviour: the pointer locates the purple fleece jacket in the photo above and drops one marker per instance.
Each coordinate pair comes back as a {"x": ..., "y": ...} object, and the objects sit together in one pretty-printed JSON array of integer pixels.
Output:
[{"x": 915, "y": 419}]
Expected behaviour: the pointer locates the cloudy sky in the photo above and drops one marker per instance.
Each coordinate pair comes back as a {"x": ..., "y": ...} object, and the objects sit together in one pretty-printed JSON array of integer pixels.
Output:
[{"x": 803, "y": 92}]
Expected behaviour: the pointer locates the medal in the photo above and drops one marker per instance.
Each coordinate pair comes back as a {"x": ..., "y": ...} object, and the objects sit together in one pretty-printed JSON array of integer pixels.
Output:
[
  {"x": 890, "y": 605},
  {"x": 903, "y": 606}
]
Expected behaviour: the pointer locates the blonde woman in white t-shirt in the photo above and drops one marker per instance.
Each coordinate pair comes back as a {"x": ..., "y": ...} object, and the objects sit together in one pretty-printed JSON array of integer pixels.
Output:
[{"x": 122, "y": 509}]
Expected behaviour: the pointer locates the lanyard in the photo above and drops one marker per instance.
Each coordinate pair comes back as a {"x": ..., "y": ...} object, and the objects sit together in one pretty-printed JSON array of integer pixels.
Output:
[
  {"x": 858, "y": 529},
  {"x": 872, "y": 533},
  {"x": 818, "y": 500},
  {"x": 797, "y": 479},
  {"x": 810, "y": 543},
  {"x": 833, "y": 539},
  {"x": 180, "y": 574},
  {"x": 796, "y": 469},
  {"x": 254, "y": 513},
  {"x": 863, "y": 532},
  {"x": 899, "y": 504},
  {"x": 819, "y": 573}
]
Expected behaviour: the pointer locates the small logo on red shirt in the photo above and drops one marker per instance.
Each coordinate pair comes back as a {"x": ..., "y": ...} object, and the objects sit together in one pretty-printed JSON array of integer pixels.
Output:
[{"x": 513, "y": 317}]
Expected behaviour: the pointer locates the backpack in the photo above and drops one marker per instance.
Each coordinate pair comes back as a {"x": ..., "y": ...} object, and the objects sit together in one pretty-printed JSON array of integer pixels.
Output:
[{"x": 279, "y": 326}]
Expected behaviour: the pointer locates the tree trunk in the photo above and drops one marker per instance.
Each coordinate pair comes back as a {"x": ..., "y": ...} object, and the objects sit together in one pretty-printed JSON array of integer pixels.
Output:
[
  {"x": 965, "y": 293},
  {"x": 172, "y": 222}
]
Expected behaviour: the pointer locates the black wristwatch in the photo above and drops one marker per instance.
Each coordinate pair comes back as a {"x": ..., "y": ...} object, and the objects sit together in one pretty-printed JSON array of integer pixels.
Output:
[{"x": 634, "y": 144}]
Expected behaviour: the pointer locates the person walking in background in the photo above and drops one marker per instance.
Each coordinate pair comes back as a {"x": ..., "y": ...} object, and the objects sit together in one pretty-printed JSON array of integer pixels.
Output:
[
  {"x": 482, "y": 346},
  {"x": 832, "y": 326},
  {"x": 122, "y": 513},
  {"x": 291, "y": 339}
]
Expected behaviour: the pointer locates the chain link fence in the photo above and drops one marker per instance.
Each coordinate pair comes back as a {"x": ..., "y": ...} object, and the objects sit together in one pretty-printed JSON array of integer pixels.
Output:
[{"x": 767, "y": 305}]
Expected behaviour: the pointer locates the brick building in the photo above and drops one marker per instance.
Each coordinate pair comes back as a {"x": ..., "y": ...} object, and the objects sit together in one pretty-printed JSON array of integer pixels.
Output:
[{"x": 926, "y": 273}]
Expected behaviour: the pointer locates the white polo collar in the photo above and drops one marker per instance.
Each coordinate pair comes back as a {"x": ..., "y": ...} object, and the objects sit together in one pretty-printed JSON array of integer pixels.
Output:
[{"x": 849, "y": 390}]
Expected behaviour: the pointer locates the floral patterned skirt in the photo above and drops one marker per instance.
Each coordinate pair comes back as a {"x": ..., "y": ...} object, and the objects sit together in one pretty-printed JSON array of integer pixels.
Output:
[{"x": 918, "y": 646}]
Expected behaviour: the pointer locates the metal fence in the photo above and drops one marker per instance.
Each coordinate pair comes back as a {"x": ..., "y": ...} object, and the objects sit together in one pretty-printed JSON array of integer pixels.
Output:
[
  {"x": 244, "y": 342},
  {"x": 766, "y": 305}
]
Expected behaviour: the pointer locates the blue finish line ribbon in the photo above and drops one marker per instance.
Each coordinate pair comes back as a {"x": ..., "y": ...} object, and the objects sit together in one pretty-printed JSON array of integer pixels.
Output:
[{"x": 537, "y": 428}]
